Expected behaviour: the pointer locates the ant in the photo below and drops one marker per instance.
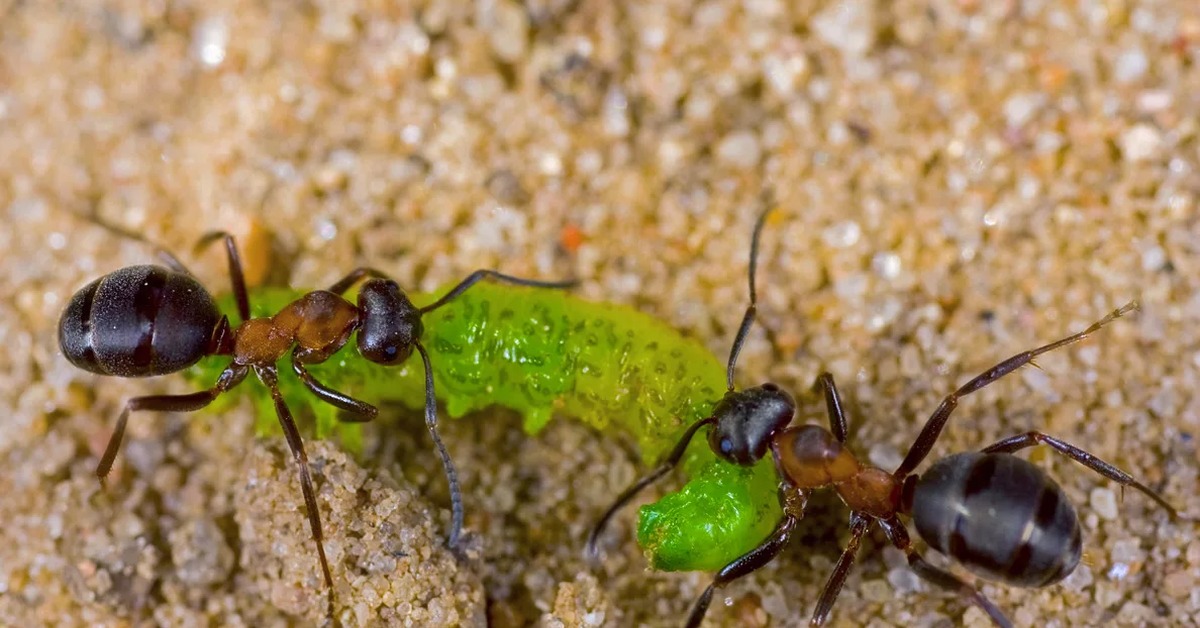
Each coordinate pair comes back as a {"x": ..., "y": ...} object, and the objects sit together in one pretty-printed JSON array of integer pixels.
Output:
[
  {"x": 997, "y": 514},
  {"x": 142, "y": 321}
]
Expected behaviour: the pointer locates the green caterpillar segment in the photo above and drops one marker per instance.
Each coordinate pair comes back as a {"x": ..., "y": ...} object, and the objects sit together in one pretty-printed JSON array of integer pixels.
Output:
[
  {"x": 542, "y": 353},
  {"x": 717, "y": 516}
]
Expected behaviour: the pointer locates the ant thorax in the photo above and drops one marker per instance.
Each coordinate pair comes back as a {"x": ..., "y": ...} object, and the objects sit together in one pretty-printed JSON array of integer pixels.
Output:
[{"x": 810, "y": 457}]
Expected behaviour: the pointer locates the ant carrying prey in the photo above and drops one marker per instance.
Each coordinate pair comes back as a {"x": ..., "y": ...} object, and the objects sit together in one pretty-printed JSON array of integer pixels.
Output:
[
  {"x": 147, "y": 320},
  {"x": 996, "y": 514}
]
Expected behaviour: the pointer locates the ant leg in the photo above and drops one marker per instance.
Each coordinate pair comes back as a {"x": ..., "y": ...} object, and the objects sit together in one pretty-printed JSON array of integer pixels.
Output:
[
  {"x": 933, "y": 427},
  {"x": 752, "y": 309},
  {"x": 666, "y": 465},
  {"x": 270, "y": 378},
  {"x": 236, "y": 277},
  {"x": 230, "y": 377},
  {"x": 166, "y": 256},
  {"x": 360, "y": 411},
  {"x": 478, "y": 275},
  {"x": 898, "y": 534},
  {"x": 833, "y": 405},
  {"x": 859, "y": 524},
  {"x": 456, "y": 502},
  {"x": 743, "y": 565},
  {"x": 1032, "y": 439},
  {"x": 354, "y": 277}
]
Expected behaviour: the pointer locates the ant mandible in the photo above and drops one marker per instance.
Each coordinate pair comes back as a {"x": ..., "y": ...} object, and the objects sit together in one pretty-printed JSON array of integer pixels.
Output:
[
  {"x": 997, "y": 514},
  {"x": 146, "y": 320}
]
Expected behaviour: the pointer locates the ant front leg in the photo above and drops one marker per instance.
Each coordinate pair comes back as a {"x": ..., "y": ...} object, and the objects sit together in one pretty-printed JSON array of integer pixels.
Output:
[
  {"x": 859, "y": 523},
  {"x": 662, "y": 469},
  {"x": 230, "y": 377},
  {"x": 744, "y": 565},
  {"x": 1031, "y": 439},
  {"x": 898, "y": 535},
  {"x": 833, "y": 405},
  {"x": 360, "y": 411},
  {"x": 933, "y": 427},
  {"x": 793, "y": 501}
]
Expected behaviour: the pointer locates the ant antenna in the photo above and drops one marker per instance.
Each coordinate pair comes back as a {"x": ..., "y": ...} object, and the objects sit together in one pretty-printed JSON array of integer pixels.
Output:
[{"x": 752, "y": 309}]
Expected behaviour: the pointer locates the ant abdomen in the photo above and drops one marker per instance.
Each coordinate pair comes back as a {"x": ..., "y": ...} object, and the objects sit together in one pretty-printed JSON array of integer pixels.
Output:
[
  {"x": 998, "y": 515},
  {"x": 138, "y": 321}
]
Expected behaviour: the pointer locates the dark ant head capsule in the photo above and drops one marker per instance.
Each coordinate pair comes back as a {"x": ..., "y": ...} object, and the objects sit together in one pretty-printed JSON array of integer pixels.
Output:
[
  {"x": 390, "y": 322},
  {"x": 747, "y": 421},
  {"x": 139, "y": 321}
]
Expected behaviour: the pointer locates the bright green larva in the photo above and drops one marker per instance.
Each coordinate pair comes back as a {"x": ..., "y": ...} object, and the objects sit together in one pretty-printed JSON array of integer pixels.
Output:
[{"x": 543, "y": 353}]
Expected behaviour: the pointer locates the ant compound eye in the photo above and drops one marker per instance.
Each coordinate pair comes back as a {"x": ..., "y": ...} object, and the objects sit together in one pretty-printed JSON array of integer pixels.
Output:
[
  {"x": 391, "y": 352},
  {"x": 726, "y": 446}
]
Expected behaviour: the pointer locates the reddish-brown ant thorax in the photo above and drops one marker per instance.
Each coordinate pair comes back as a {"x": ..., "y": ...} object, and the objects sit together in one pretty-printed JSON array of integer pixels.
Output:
[
  {"x": 258, "y": 341},
  {"x": 321, "y": 322},
  {"x": 871, "y": 490},
  {"x": 811, "y": 457}
]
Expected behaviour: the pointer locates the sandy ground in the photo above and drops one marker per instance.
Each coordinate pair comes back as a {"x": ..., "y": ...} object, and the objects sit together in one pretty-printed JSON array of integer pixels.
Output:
[{"x": 957, "y": 181}]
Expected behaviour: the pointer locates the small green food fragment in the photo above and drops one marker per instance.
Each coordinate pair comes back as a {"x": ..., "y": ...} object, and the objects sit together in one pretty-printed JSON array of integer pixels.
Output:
[{"x": 723, "y": 512}]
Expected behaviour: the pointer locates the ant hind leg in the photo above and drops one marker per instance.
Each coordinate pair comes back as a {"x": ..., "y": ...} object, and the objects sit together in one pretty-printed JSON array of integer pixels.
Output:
[
  {"x": 1034, "y": 438},
  {"x": 230, "y": 377},
  {"x": 898, "y": 534},
  {"x": 933, "y": 427},
  {"x": 269, "y": 376}
]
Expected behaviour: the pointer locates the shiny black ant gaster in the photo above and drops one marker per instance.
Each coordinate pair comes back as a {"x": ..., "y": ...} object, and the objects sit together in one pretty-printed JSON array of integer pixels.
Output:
[
  {"x": 997, "y": 514},
  {"x": 142, "y": 321}
]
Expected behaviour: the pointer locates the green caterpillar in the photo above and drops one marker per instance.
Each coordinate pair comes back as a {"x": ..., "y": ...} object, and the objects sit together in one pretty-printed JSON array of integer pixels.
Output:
[{"x": 541, "y": 353}]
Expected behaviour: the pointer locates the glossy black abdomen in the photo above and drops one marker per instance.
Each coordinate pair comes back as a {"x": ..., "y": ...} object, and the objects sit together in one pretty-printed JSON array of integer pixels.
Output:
[
  {"x": 1000, "y": 516},
  {"x": 138, "y": 321}
]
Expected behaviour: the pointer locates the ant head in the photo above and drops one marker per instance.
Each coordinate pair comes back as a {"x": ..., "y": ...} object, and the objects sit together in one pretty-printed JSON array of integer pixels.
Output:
[
  {"x": 747, "y": 420},
  {"x": 390, "y": 322}
]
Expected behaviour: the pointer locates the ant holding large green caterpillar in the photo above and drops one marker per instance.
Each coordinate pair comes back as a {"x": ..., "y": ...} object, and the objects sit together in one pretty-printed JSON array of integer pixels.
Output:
[
  {"x": 996, "y": 514},
  {"x": 142, "y": 321}
]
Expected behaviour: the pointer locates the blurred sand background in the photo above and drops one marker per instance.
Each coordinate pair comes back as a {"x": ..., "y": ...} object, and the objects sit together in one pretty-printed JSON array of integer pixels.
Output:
[{"x": 957, "y": 181}]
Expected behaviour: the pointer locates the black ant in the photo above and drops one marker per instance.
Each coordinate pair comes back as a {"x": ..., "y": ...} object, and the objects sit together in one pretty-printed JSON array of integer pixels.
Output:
[
  {"x": 997, "y": 514},
  {"x": 142, "y": 321}
]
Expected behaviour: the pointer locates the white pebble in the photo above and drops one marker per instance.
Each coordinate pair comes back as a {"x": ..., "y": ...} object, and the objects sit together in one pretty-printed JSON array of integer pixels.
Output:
[
  {"x": 1140, "y": 143},
  {"x": 1130, "y": 65},
  {"x": 848, "y": 26},
  {"x": 886, "y": 264},
  {"x": 904, "y": 580},
  {"x": 1104, "y": 502},
  {"x": 507, "y": 28},
  {"x": 1127, "y": 551},
  {"x": 210, "y": 37},
  {"x": 1019, "y": 108},
  {"x": 739, "y": 149},
  {"x": 842, "y": 235}
]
